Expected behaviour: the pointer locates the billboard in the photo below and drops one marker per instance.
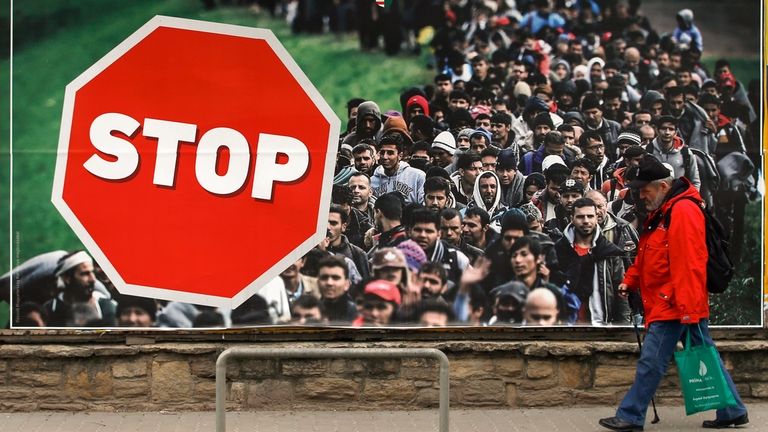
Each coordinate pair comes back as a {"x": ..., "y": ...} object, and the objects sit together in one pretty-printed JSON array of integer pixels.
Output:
[{"x": 195, "y": 165}]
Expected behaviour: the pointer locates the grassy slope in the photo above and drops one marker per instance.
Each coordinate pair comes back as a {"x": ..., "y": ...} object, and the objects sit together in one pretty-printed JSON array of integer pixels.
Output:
[{"x": 42, "y": 68}]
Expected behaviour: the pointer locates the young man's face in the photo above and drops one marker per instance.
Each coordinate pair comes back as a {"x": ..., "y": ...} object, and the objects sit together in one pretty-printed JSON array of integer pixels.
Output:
[
  {"x": 484, "y": 123},
  {"x": 642, "y": 119},
  {"x": 444, "y": 87},
  {"x": 425, "y": 235},
  {"x": 489, "y": 162},
  {"x": 585, "y": 220},
  {"x": 367, "y": 124},
  {"x": 506, "y": 175},
  {"x": 331, "y": 282},
  {"x": 553, "y": 190},
  {"x": 134, "y": 317},
  {"x": 389, "y": 156},
  {"x": 667, "y": 132},
  {"x": 593, "y": 117},
  {"x": 433, "y": 319},
  {"x": 595, "y": 150},
  {"x": 712, "y": 110},
  {"x": 488, "y": 189},
  {"x": 568, "y": 198},
  {"x": 480, "y": 68},
  {"x": 581, "y": 174},
  {"x": 570, "y": 137},
  {"x": 657, "y": 109},
  {"x": 431, "y": 285},
  {"x": 450, "y": 230},
  {"x": 441, "y": 157},
  {"x": 500, "y": 132},
  {"x": 436, "y": 199},
  {"x": 458, "y": 103},
  {"x": 300, "y": 315},
  {"x": 509, "y": 236},
  {"x": 469, "y": 175},
  {"x": 472, "y": 230},
  {"x": 540, "y": 130},
  {"x": 377, "y": 312},
  {"x": 524, "y": 263},
  {"x": 530, "y": 191},
  {"x": 676, "y": 104},
  {"x": 335, "y": 227},
  {"x": 478, "y": 144},
  {"x": 364, "y": 161}
]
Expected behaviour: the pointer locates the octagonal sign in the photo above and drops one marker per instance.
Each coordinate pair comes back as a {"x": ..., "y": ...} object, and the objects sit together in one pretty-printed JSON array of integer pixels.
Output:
[{"x": 195, "y": 161}]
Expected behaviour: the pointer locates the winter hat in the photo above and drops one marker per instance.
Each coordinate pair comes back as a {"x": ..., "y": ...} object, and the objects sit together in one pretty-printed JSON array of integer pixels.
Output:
[
  {"x": 565, "y": 87},
  {"x": 149, "y": 305},
  {"x": 573, "y": 115},
  {"x": 388, "y": 257},
  {"x": 536, "y": 104},
  {"x": 531, "y": 212},
  {"x": 551, "y": 160},
  {"x": 397, "y": 124},
  {"x": 423, "y": 124},
  {"x": 420, "y": 101},
  {"x": 522, "y": 88},
  {"x": 543, "y": 119},
  {"x": 507, "y": 159},
  {"x": 479, "y": 109},
  {"x": 384, "y": 290},
  {"x": 414, "y": 254},
  {"x": 445, "y": 141},
  {"x": 460, "y": 116},
  {"x": 481, "y": 132},
  {"x": 535, "y": 179},
  {"x": 514, "y": 218},
  {"x": 342, "y": 177},
  {"x": 630, "y": 137},
  {"x": 515, "y": 289}
]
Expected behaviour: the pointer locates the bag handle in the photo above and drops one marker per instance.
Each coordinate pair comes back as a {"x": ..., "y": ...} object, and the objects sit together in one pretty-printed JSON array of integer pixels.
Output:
[{"x": 688, "y": 336}]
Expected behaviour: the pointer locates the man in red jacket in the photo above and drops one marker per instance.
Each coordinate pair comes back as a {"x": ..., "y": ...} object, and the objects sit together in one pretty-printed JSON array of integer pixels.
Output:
[{"x": 670, "y": 271}]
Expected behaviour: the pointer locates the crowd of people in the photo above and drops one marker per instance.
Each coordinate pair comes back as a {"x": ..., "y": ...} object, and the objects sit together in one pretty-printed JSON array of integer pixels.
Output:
[{"x": 497, "y": 194}]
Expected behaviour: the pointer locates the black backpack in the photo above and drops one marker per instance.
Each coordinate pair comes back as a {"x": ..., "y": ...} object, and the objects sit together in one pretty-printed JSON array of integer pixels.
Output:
[{"x": 720, "y": 269}]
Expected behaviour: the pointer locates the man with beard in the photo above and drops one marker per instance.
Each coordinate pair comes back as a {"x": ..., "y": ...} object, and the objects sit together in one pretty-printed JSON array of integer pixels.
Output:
[
  {"x": 615, "y": 229},
  {"x": 593, "y": 266},
  {"x": 298, "y": 284},
  {"x": 613, "y": 107},
  {"x": 136, "y": 311},
  {"x": 333, "y": 284},
  {"x": 511, "y": 179},
  {"x": 437, "y": 194},
  {"x": 338, "y": 243},
  {"x": 394, "y": 175},
  {"x": 547, "y": 199},
  {"x": 553, "y": 144},
  {"x": 74, "y": 273},
  {"x": 671, "y": 273},
  {"x": 364, "y": 156},
  {"x": 443, "y": 149},
  {"x": 669, "y": 148},
  {"x": 451, "y": 226},
  {"x": 433, "y": 280},
  {"x": 487, "y": 196},
  {"x": 594, "y": 121},
  {"x": 570, "y": 191},
  {"x": 425, "y": 231},
  {"x": 475, "y": 228},
  {"x": 362, "y": 199},
  {"x": 468, "y": 166},
  {"x": 367, "y": 124},
  {"x": 694, "y": 127}
]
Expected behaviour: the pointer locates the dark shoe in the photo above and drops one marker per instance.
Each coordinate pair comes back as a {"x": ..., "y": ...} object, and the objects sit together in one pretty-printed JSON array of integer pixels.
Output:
[
  {"x": 722, "y": 424},
  {"x": 617, "y": 424}
]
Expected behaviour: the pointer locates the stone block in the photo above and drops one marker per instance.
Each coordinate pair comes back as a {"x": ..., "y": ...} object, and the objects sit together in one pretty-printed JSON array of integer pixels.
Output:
[
  {"x": 537, "y": 369},
  {"x": 327, "y": 389},
  {"x": 37, "y": 365},
  {"x": 575, "y": 373},
  {"x": 510, "y": 367},
  {"x": 511, "y": 394},
  {"x": 88, "y": 380},
  {"x": 269, "y": 393},
  {"x": 346, "y": 367},
  {"x": 257, "y": 369},
  {"x": 419, "y": 369},
  {"x": 389, "y": 391},
  {"x": 609, "y": 375},
  {"x": 483, "y": 392},
  {"x": 538, "y": 384},
  {"x": 36, "y": 379},
  {"x": 427, "y": 397},
  {"x": 131, "y": 388},
  {"x": 129, "y": 369},
  {"x": 69, "y": 406},
  {"x": 238, "y": 392},
  {"x": 302, "y": 368},
  {"x": 469, "y": 366},
  {"x": 171, "y": 381},
  {"x": 382, "y": 367},
  {"x": 616, "y": 359},
  {"x": 758, "y": 390},
  {"x": 205, "y": 390}
]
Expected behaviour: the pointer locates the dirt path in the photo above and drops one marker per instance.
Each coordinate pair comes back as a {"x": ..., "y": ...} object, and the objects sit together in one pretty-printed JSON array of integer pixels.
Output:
[{"x": 729, "y": 27}]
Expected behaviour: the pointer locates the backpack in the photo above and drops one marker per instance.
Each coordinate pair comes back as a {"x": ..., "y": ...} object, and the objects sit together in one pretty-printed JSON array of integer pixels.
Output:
[{"x": 720, "y": 269}]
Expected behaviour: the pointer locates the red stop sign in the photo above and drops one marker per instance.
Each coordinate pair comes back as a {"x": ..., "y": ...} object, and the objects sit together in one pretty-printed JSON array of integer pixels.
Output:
[{"x": 195, "y": 161}]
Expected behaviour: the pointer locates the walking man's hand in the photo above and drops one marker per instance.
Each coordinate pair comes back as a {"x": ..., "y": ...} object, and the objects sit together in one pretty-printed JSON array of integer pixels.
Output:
[{"x": 623, "y": 290}]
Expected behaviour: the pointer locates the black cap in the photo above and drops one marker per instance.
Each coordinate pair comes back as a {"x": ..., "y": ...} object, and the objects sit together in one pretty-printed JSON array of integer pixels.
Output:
[
  {"x": 650, "y": 169},
  {"x": 572, "y": 185},
  {"x": 515, "y": 289}
]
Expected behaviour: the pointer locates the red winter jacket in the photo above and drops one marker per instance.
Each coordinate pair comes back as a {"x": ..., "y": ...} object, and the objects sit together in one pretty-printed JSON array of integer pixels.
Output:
[{"x": 671, "y": 265}]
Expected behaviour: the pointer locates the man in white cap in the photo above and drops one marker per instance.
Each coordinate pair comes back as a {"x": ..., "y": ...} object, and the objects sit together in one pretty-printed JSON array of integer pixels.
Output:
[
  {"x": 77, "y": 304},
  {"x": 443, "y": 148}
]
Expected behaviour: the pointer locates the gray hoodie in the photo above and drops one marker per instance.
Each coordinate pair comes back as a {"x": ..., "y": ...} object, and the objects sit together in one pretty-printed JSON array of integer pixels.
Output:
[{"x": 407, "y": 180}]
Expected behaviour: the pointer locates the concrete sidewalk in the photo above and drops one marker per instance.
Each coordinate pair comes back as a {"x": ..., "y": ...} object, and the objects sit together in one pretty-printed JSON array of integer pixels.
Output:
[{"x": 480, "y": 420}]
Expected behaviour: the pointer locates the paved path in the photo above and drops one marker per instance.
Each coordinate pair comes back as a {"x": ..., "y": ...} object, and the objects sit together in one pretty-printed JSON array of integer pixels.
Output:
[{"x": 480, "y": 420}]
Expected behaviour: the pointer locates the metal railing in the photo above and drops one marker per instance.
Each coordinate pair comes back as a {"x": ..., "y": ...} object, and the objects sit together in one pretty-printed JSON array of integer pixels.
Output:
[{"x": 316, "y": 353}]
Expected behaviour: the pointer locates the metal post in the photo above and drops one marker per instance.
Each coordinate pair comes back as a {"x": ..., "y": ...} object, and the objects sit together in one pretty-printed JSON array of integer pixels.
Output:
[{"x": 315, "y": 353}]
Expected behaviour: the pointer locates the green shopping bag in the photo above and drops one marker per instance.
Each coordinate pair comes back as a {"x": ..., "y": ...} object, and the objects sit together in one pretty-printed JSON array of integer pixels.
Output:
[{"x": 701, "y": 378}]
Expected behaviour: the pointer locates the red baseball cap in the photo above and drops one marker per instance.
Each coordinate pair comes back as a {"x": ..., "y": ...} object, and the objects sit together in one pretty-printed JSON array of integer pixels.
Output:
[{"x": 385, "y": 290}]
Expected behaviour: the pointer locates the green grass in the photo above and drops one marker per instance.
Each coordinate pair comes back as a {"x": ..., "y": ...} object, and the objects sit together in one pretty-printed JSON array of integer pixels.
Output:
[{"x": 81, "y": 32}]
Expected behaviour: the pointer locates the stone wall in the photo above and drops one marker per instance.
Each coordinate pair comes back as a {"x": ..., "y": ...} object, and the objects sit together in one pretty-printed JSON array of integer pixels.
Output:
[{"x": 180, "y": 376}]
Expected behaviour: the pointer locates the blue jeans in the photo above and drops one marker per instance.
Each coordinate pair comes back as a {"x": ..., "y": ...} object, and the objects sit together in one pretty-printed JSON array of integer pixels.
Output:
[{"x": 659, "y": 345}]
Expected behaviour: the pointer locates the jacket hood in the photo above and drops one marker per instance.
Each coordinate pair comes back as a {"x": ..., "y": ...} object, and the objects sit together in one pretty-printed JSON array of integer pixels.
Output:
[
  {"x": 686, "y": 15},
  {"x": 397, "y": 124},
  {"x": 379, "y": 171},
  {"x": 682, "y": 188},
  {"x": 369, "y": 108},
  {"x": 649, "y": 98},
  {"x": 478, "y": 199}
]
